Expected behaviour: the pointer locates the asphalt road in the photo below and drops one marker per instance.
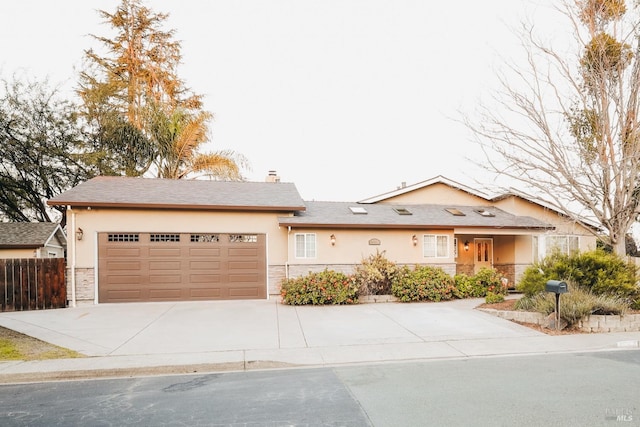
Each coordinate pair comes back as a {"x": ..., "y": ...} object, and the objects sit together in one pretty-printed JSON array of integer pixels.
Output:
[{"x": 587, "y": 389}]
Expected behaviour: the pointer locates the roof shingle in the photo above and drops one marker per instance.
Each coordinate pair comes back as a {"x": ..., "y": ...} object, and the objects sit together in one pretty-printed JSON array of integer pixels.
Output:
[{"x": 181, "y": 194}]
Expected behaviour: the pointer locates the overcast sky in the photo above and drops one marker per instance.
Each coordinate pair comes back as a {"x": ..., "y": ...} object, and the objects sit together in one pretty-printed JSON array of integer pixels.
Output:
[{"x": 345, "y": 98}]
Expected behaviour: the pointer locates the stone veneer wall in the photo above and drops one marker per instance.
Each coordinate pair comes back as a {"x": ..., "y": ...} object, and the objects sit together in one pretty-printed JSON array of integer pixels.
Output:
[
  {"x": 85, "y": 285},
  {"x": 593, "y": 323}
]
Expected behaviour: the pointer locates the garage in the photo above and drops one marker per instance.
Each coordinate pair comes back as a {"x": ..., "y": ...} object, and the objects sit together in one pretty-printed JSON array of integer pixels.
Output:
[{"x": 141, "y": 267}]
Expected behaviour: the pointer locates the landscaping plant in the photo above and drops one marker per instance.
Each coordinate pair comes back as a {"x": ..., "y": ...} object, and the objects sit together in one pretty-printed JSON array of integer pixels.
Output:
[
  {"x": 375, "y": 275},
  {"x": 423, "y": 283},
  {"x": 575, "y": 305},
  {"x": 600, "y": 272},
  {"x": 326, "y": 287}
]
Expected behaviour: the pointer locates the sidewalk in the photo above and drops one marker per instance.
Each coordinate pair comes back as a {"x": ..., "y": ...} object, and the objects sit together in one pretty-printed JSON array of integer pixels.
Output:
[{"x": 150, "y": 338}]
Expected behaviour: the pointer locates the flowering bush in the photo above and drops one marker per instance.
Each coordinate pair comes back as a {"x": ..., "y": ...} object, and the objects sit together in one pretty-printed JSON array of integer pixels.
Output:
[
  {"x": 485, "y": 281},
  {"x": 423, "y": 283},
  {"x": 327, "y": 287}
]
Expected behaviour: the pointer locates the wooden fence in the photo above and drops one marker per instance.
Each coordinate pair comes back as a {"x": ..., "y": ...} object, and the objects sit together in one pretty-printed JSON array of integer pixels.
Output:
[{"x": 32, "y": 284}]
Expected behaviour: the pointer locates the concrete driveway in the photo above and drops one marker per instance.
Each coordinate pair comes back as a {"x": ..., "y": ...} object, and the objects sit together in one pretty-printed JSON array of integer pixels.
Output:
[{"x": 254, "y": 332}]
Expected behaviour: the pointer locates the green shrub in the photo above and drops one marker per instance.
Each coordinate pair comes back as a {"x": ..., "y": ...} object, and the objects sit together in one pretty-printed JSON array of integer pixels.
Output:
[
  {"x": 327, "y": 287},
  {"x": 601, "y": 272},
  {"x": 480, "y": 284},
  {"x": 423, "y": 283},
  {"x": 493, "y": 298},
  {"x": 575, "y": 305},
  {"x": 375, "y": 275}
]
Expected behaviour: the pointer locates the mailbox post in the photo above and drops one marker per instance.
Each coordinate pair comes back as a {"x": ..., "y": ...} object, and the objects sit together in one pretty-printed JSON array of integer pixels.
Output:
[{"x": 558, "y": 287}]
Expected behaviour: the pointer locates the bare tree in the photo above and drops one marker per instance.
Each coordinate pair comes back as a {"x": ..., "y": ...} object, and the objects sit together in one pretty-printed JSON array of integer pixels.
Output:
[{"x": 565, "y": 125}]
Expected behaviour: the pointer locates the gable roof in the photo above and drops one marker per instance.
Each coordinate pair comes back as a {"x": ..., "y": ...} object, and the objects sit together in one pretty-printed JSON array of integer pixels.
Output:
[
  {"x": 126, "y": 192},
  {"x": 425, "y": 216},
  {"x": 435, "y": 180},
  {"x": 28, "y": 235}
]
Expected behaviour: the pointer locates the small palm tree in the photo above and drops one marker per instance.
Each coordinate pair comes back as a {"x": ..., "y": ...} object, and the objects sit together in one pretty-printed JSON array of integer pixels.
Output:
[{"x": 179, "y": 137}]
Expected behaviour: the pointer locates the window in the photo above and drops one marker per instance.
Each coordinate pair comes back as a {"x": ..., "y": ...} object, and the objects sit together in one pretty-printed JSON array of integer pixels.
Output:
[
  {"x": 455, "y": 212},
  {"x": 546, "y": 245},
  {"x": 484, "y": 212},
  {"x": 402, "y": 211},
  {"x": 305, "y": 245},
  {"x": 243, "y": 238},
  {"x": 358, "y": 210},
  {"x": 123, "y": 238},
  {"x": 205, "y": 238},
  {"x": 164, "y": 237},
  {"x": 436, "y": 246}
]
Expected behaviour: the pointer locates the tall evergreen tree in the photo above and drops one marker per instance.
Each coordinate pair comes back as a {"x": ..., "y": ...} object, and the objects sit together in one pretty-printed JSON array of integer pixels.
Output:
[{"x": 125, "y": 89}]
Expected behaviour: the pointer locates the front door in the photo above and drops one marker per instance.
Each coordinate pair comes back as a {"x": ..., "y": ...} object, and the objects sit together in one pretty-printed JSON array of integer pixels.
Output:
[{"x": 483, "y": 254}]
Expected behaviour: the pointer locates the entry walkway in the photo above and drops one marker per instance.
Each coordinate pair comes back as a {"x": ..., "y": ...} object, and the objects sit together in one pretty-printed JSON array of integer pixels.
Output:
[{"x": 123, "y": 339}]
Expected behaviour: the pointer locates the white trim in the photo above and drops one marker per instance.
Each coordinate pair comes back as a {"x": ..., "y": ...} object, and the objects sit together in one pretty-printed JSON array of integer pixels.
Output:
[
  {"x": 436, "y": 180},
  {"x": 96, "y": 266}
]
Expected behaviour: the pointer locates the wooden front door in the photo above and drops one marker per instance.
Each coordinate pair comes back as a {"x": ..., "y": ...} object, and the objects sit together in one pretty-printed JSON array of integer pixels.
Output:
[{"x": 483, "y": 254}]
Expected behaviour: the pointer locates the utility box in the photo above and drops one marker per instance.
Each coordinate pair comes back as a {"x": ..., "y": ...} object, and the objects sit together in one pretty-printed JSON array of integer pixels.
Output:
[{"x": 556, "y": 286}]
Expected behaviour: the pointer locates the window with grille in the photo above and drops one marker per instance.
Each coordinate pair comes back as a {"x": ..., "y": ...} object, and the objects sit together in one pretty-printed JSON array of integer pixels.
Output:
[
  {"x": 164, "y": 237},
  {"x": 435, "y": 246},
  {"x": 205, "y": 238},
  {"x": 243, "y": 238},
  {"x": 123, "y": 237},
  {"x": 305, "y": 245}
]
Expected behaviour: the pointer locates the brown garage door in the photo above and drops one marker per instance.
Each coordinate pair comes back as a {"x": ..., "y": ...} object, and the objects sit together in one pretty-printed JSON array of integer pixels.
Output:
[{"x": 134, "y": 267}]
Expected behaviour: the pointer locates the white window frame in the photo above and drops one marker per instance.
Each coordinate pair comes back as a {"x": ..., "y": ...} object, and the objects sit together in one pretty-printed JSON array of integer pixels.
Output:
[
  {"x": 431, "y": 248},
  {"x": 305, "y": 245},
  {"x": 543, "y": 247}
]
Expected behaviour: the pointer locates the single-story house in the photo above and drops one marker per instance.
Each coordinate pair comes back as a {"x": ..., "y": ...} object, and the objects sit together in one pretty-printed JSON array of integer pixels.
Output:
[
  {"x": 138, "y": 239},
  {"x": 32, "y": 240}
]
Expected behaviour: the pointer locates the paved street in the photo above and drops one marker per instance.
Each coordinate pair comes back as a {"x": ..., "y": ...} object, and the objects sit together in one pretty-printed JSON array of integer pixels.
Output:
[{"x": 578, "y": 389}]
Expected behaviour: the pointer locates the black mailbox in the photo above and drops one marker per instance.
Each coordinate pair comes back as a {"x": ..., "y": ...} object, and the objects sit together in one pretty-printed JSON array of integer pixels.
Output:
[{"x": 556, "y": 286}]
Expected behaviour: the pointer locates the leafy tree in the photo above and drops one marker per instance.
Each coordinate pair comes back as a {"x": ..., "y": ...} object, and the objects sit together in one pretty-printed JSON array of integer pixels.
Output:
[
  {"x": 41, "y": 150},
  {"x": 566, "y": 127},
  {"x": 133, "y": 90},
  {"x": 179, "y": 136}
]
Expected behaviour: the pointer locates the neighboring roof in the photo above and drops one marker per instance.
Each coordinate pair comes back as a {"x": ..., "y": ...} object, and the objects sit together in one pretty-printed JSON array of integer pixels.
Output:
[
  {"x": 436, "y": 180},
  {"x": 339, "y": 214},
  {"x": 125, "y": 192},
  {"x": 27, "y": 235}
]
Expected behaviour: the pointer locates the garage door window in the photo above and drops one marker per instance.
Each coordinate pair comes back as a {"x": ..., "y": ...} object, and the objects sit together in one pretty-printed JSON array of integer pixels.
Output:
[
  {"x": 164, "y": 238},
  {"x": 205, "y": 238},
  {"x": 243, "y": 238},
  {"x": 123, "y": 237}
]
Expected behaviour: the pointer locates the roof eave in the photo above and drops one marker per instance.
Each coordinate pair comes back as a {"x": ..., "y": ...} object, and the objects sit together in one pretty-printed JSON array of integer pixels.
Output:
[
  {"x": 408, "y": 226},
  {"x": 175, "y": 206}
]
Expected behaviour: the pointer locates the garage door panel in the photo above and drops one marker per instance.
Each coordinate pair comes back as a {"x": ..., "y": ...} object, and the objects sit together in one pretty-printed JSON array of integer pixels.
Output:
[
  {"x": 205, "y": 278},
  {"x": 165, "y": 294},
  {"x": 123, "y": 252},
  {"x": 204, "y": 265},
  {"x": 205, "y": 293},
  {"x": 115, "y": 279},
  {"x": 124, "y": 266},
  {"x": 204, "y": 252},
  {"x": 243, "y": 252},
  {"x": 164, "y": 252},
  {"x": 135, "y": 267},
  {"x": 165, "y": 278},
  {"x": 164, "y": 265},
  {"x": 128, "y": 295},
  {"x": 248, "y": 292}
]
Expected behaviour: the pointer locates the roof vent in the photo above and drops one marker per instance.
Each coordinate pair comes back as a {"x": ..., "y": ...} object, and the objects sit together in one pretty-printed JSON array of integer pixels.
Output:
[
  {"x": 402, "y": 211},
  {"x": 455, "y": 212},
  {"x": 272, "y": 177}
]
